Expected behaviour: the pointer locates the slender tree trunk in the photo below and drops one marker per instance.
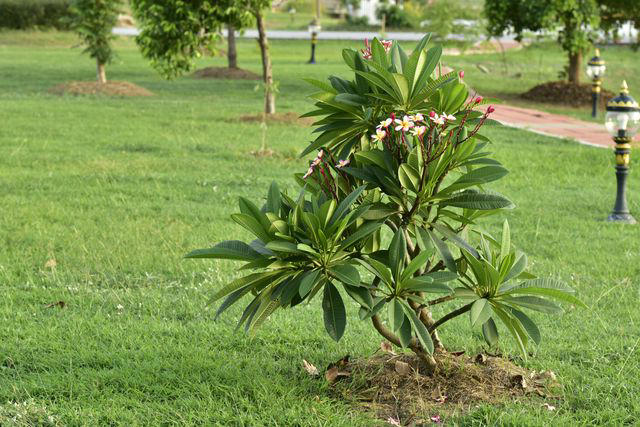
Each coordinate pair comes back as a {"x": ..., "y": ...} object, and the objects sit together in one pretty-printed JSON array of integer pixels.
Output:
[
  {"x": 267, "y": 72},
  {"x": 101, "y": 74},
  {"x": 575, "y": 61},
  {"x": 232, "y": 53}
]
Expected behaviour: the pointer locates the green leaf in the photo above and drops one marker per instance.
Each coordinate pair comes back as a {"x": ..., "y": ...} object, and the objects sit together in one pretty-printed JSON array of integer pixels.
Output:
[
  {"x": 360, "y": 234},
  {"x": 252, "y": 225},
  {"x": 444, "y": 252},
  {"x": 528, "y": 325},
  {"x": 230, "y": 249},
  {"x": 321, "y": 85},
  {"x": 335, "y": 316},
  {"x": 378, "y": 269},
  {"x": 505, "y": 247},
  {"x": 490, "y": 332},
  {"x": 508, "y": 322},
  {"x": 455, "y": 239},
  {"x": 249, "y": 281},
  {"x": 421, "y": 331},
  {"x": 480, "y": 312},
  {"x": 517, "y": 268},
  {"x": 409, "y": 177},
  {"x": 282, "y": 246},
  {"x": 397, "y": 251},
  {"x": 248, "y": 208},
  {"x": 346, "y": 273},
  {"x": 395, "y": 314},
  {"x": 404, "y": 333},
  {"x": 308, "y": 281},
  {"x": 478, "y": 176},
  {"x": 547, "y": 288},
  {"x": 481, "y": 201},
  {"x": 534, "y": 303},
  {"x": 273, "y": 199},
  {"x": 361, "y": 295},
  {"x": 344, "y": 205},
  {"x": 425, "y": 284},
  {"x": 419, "y": 261}
]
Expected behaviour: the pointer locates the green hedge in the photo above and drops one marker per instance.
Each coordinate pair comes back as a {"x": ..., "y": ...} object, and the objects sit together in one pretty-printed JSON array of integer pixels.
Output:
[{"x": 27, "y": 14}]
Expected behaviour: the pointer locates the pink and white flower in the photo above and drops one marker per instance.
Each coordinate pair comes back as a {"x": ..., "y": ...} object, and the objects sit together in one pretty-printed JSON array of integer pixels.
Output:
[
  {"x": 342, "y": 163},
  {"x": 435, "y": 118},
  {"x": 385, "y": 124},
  {"x": 308, "y": 174},
  {"x": 449, "y": 117},
  {"x": 379, "y": 136},
  {"x": 417, "y": 117},
  {"x": 387, "y": 44},
  {"x": 404, "y": 125},
  {"x": 418, "y": 130}
]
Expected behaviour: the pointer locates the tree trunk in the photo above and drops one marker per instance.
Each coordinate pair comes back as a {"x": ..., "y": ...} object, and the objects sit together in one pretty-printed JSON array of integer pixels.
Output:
[
  {"x": 102, "y": 76},
  {"x": 575, "y": 61},
  {"x": 267, "y": 73},
  {"x": 232, "y": 53}
]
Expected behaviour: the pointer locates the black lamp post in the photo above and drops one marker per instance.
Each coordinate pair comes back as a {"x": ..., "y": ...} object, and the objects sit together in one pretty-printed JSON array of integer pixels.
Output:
[
  {"x": 595, "y": 70},
  {"x": 622, "y": 122},
  {"x": 314, "y": 29}
]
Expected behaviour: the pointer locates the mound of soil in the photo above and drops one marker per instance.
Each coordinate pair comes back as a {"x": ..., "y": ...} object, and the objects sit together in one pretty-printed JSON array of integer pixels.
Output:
[
  {"x": 290, "y": 118},
  {"x": 395, "y": 387},
  {"x": 225, "y": 73},
  {"x": 111, "y": 88},
  {"x": 565, "y": 93}
]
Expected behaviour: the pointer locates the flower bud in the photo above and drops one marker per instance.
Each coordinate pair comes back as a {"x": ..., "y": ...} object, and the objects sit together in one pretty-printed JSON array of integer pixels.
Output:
[
  {"x": 491, "y": 109},
  {"x": 478, "y": 99},
  {"x": 461, "y": 74}
]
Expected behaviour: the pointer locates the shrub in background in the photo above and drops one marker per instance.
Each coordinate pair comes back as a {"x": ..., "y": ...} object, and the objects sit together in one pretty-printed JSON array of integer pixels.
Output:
[
  {"x": 29, "y": 14},
  {"x": 394, "y": 16},
  {"x": 389, "y": 214}
]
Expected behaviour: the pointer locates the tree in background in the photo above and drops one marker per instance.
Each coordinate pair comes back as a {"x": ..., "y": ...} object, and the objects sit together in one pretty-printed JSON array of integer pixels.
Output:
[
  {"x": 576, "y": 20},
  {"x": 93, "y": 21},
  {"x": 174, "y": 33},
  {"x": 615, "y": 13}
]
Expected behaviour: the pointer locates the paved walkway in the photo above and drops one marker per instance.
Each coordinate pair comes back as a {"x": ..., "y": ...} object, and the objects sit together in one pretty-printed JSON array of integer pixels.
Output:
[{"x": 555, "y": 125}]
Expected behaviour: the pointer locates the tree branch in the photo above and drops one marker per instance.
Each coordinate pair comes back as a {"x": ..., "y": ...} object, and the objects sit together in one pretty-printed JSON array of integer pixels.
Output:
[{"x": 450, "y": 316}]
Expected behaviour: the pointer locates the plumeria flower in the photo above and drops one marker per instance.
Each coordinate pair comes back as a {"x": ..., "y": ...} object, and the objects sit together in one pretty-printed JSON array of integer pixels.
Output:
[
  {"x": 308, "y": 174},
  {"x": 448, "y": 117},
  {"x": 379, "y": 136},
  {"x": 436, "y": 419},
  {"x": 439, "y": 120},
  {"x": 366, "y": 52},
  {"x": 418, "y": 130},
  {"x": 387, "y": 44},
  {"x": 342, "y": 163},
  {"x": 417, "y": 117},
  {"x": 385, "y": 124},
  {"x": 461, "y": 74},
  {"x": 318, "y": 159},
  {"x": 405, "y": 124}
]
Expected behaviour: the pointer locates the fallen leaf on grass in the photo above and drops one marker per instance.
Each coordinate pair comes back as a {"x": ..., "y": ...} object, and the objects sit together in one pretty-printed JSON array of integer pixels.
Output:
[
  {"x": 402, "y": 368},
  {"x": 385, "y": 346},
  {"x": 60, "y": 304},
  {"x": 311, "y": 369},
  {"x": 393, "y": 421},
  {"x": 436, "y": 419},
  {"x": 52, "y": 263},
  {"x": 549, "y": 407},
  {"x": 334, "y": 374}
]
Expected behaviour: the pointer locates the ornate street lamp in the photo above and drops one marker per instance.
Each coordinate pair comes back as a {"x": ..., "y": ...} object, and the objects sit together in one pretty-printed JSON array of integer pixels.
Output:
[
  {"x": 314, "y": 29},
  {"x": 595, "y": 70},
  {"x": 622, "y": 122}
]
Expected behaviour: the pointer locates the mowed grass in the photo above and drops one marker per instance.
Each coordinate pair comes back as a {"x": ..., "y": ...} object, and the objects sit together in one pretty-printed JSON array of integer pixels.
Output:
[{"x": 117, "y": 190}]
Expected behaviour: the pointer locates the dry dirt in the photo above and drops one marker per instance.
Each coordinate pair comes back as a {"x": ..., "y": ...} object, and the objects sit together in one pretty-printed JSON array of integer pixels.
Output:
[
  {"x": 225, "y": 73},
  {"x": 397, "y": 390},
  {"x": 112, "y": 88},
  {"x": 565, "y": 93}
]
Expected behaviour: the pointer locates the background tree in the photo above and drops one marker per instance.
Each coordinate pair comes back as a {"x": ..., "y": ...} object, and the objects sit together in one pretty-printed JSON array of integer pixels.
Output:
[
  {"x": 174, "y": 33},
  {"x": 93, "y": 21},
  {"x": 575, "y": 19},
  {"x": 614, "y": 13}
]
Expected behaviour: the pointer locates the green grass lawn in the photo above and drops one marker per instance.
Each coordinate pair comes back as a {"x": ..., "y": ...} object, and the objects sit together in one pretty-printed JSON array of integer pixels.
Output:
[
  {"x": 116, "y": 190},
  {"x": 518, "y": 71}
]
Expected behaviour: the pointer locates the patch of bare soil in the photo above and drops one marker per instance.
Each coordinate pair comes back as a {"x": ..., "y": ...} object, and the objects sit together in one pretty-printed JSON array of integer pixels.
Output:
[
  {"x": 111, "y": 88},
  {"x": 398, "y": 391},
  {"x": 565, "y": 93},
  {"x": 289, "y": 118},
  {"x": 225, "y": 73}
]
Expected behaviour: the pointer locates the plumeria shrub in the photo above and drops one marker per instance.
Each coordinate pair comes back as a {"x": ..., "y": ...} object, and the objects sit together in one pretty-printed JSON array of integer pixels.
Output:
[{"x": 388, "y": 214}]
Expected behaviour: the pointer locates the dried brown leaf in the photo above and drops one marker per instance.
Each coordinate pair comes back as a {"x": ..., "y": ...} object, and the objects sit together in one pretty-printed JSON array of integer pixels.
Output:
[{"x": 311, "y": 369}]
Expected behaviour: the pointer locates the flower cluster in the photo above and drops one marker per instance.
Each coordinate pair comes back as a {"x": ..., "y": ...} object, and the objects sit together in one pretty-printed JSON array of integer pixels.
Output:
[{"x": 366, "y": 52}]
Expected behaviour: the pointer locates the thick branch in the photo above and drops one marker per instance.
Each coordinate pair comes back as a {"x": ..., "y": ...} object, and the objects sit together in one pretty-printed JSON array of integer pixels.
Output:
[
  {"x": 451, "y": 315},
  {"x": 386, "y": 333}
]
